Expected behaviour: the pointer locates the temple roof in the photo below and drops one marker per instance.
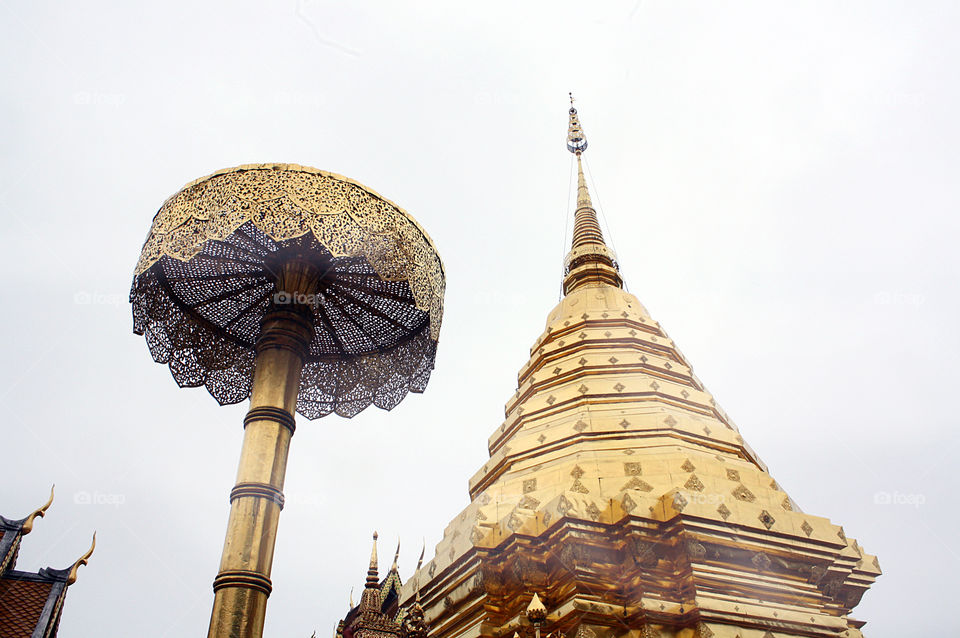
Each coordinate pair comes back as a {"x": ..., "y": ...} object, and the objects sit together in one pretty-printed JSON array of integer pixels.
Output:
[
  {"x": 31, "y": 602},
  {"x": 378, "y": 610}
]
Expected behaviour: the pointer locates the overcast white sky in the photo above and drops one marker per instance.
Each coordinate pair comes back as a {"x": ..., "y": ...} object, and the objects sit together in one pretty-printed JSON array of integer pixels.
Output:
[{"x": 779, "y": 180}]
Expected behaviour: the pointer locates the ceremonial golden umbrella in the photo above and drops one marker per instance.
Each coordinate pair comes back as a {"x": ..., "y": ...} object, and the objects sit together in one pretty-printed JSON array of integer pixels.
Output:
[{"x": 302, "y": 290}]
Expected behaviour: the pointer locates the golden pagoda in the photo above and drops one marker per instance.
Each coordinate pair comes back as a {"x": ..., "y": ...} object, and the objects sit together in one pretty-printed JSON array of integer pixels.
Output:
[{"x": 620, "y": 500}]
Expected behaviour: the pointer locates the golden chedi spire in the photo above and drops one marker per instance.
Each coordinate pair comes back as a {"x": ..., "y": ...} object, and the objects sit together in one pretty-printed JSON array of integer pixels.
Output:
[
  {"x": 373, "y": 578},
  {"x": 621, "y": 493},
  {"x": 590, "y": 261}
]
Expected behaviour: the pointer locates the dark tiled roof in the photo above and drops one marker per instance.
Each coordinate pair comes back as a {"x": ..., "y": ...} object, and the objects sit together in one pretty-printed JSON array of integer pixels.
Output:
[
  {"x": 31, "y": 602},
  {"x": 22, "y": 604}
]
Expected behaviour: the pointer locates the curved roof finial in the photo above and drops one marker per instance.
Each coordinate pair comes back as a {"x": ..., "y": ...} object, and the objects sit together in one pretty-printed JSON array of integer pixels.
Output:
[
  {"x": 72, "y": 577},
  {"x": 27, "y": 526},
  {"x": 396, "y": 558},
  {"x": 423, "y": 549}
]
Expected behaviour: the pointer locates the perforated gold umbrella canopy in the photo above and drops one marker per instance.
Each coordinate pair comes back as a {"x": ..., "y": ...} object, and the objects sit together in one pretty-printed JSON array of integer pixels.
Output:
[{"x": 207, "y": 275}]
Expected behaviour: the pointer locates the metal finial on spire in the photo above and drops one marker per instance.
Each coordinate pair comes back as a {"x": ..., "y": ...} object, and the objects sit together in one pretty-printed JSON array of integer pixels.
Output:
[
  {"x": 536, "y": 611},
  {"x": 576, "y": 140}
]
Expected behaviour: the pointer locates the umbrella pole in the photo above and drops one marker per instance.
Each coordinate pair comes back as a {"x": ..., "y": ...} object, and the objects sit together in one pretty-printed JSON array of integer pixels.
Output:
[{"x": 243, "y": 583}]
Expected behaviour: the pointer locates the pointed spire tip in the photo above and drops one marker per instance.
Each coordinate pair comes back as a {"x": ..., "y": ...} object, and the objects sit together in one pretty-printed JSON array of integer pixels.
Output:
[{"x": 372, "y": 575}]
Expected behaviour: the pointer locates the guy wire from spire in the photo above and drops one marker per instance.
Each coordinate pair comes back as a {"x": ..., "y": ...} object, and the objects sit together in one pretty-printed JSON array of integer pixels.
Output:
[
  {"x": 608, "y": 234},
  {"x": 567, "y": 216}
]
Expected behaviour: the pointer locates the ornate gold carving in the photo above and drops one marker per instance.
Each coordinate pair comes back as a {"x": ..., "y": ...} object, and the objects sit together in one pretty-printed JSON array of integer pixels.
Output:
[
  {"x": 27, "y": 525},
  {"x": 761, "y": 561},
  {"x": 528, "y": 502},
  {"x": 693, "y": 483},
  {"x": 536, "y": 611},
  {"x": 579, "y": 487},
  {"x": 741, "y": 493},
  {"x": 703, "y": 631},
  {"x": 637, "y": 483},
  {"x": 644, "y": 552},
  {"x": 72, "y": 576},
  {"x": 766, "y": 519},
  {"x": 695, "y": 549},
  {"x": 413, "y": 624}
]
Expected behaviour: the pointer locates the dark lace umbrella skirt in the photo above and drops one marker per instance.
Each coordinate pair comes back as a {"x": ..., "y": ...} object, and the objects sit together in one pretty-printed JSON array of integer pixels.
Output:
[{"x": 204, "y": 282}]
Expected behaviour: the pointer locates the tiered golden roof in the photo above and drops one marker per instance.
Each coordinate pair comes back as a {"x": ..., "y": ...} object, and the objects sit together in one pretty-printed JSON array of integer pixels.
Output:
[{"x": 621, "y": 493}]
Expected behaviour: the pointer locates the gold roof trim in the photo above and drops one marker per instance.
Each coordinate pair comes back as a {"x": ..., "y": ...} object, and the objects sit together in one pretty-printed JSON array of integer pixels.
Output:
[
  {"x": 72, "y": 577},
  {"x": 27, "y": 526}
]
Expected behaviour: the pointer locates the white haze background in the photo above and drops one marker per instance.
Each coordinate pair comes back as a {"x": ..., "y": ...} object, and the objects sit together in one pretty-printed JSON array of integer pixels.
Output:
[{"x": 779, "y": 180}]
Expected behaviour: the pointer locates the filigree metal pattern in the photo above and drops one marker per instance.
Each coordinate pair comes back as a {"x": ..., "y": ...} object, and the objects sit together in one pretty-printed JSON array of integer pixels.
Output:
[{"x": 205, "y": 279}]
